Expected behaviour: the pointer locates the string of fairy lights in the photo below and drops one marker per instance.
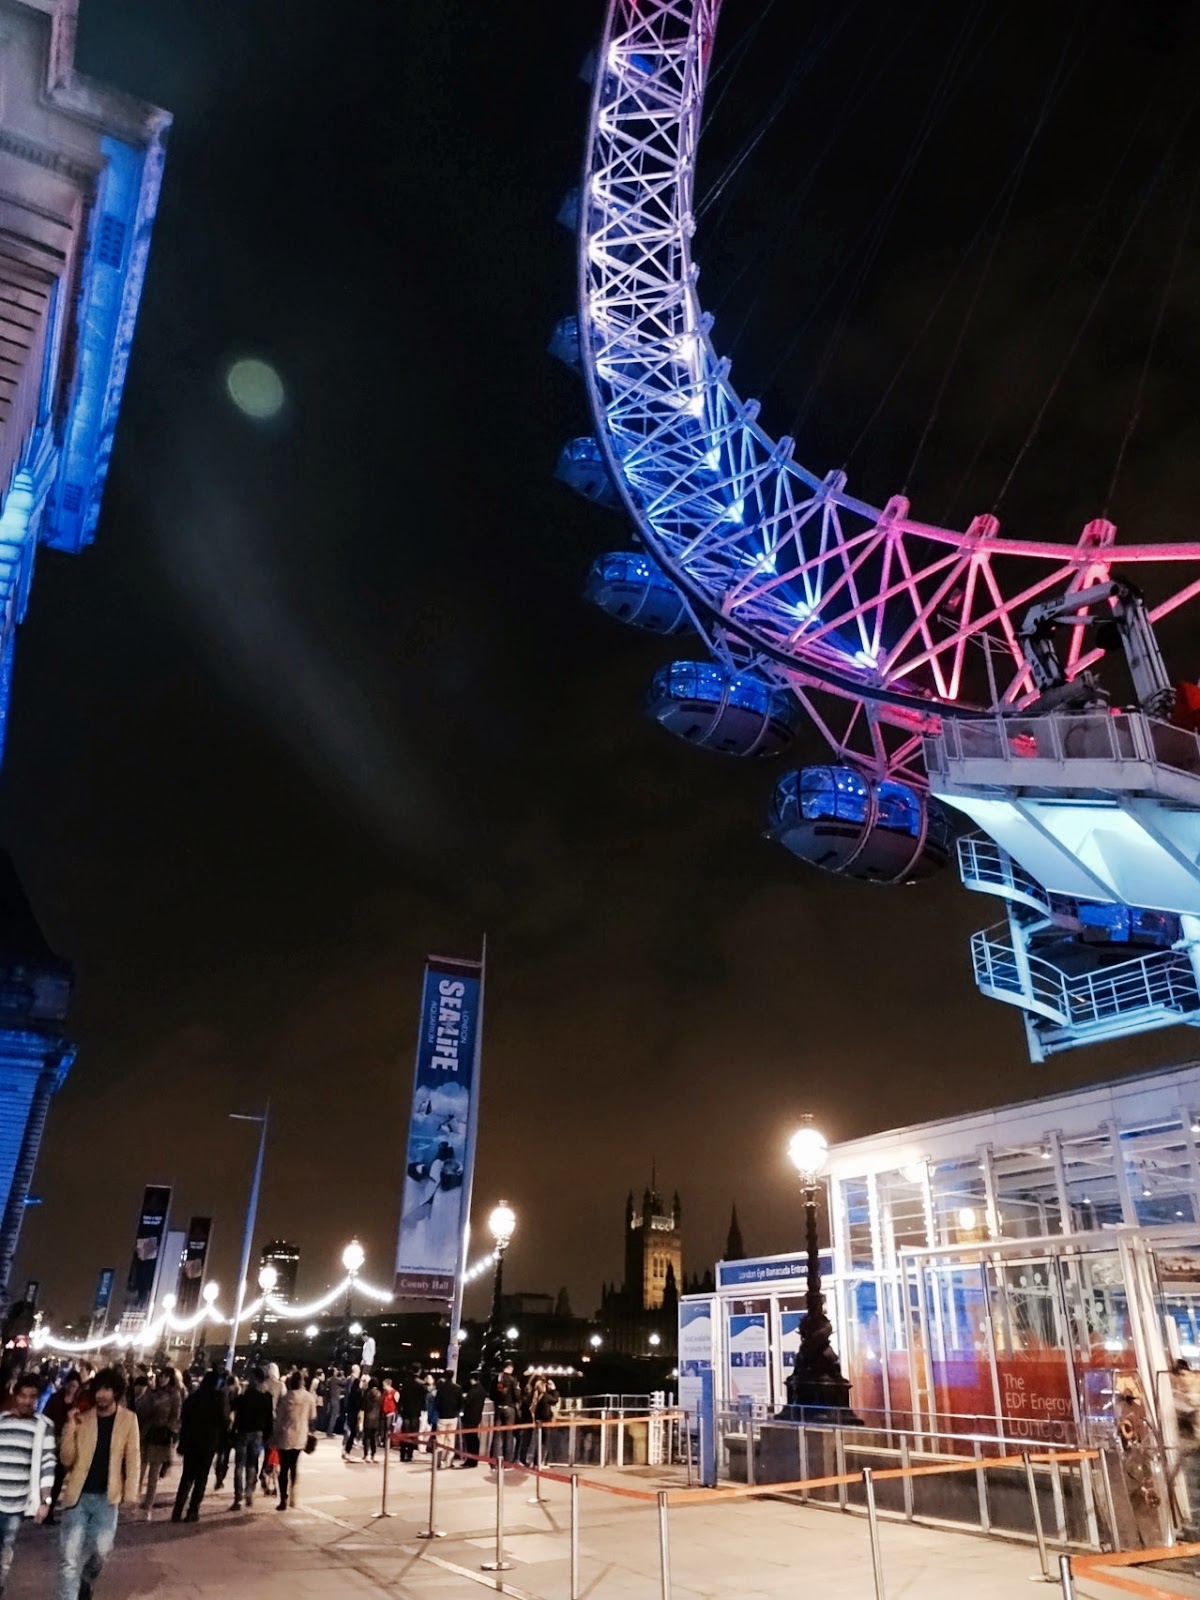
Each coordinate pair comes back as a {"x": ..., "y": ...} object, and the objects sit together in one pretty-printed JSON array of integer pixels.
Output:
[{"x": 152, "y": 1332}]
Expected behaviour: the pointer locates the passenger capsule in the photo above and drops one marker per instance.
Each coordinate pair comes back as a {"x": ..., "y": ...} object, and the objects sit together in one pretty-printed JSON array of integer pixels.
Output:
[
  {"x": 710, "y": 705},
  {"x": 564, "y": 343},
  {"x": 582, "y": 467},
  {"x": 870, "y": 828},
  {"x": 630, "y": 587}
]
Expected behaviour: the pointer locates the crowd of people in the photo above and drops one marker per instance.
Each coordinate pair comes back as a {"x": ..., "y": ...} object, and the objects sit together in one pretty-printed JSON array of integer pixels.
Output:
[{"x": 76, "y": 1444}]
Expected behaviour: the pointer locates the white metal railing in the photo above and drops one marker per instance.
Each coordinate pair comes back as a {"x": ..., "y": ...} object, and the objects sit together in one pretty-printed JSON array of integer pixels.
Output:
[
  {"x": 990, "y": 1486},
  {"x": 1161, "y": 981},
  {"x": 983, "y": 865},
  {"x": 1063, "y": 738}
]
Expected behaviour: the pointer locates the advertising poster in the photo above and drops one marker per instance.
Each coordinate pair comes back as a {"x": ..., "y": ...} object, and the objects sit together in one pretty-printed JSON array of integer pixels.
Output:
[
  {"x": 143, "y": 1269},
  {"x": 191, "y": 1270},
  {"x": 789, "y": 1338},
  {"x": 440, "y": 1154},
  {"x": 696, "y": 1382},
  {"x": 749, "y": 1372},
  {"x": 104, "y": 1289}
]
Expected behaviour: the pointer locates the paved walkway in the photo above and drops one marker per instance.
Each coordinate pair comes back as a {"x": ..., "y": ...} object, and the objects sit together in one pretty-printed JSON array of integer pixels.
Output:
[{"x": 331, "y": 1548}]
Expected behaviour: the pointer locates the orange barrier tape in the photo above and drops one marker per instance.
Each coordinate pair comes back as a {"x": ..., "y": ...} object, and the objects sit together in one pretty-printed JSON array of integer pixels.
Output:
[
  {"x": 743, "y": 1491},
  {"x": 1097, "y": 1567}
]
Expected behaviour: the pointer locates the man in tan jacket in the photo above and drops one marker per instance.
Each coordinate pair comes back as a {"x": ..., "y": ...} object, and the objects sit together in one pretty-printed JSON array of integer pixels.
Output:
[{"x": 99, "y": 1449}]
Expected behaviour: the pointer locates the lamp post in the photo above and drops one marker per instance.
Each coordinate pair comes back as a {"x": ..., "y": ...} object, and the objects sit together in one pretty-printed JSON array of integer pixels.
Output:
[
  {"x": 208, "y": 1294},
  {"x": 502, "y": 1224},
  {"x": 268, "y": 1277},
  {"x": 169, "y": 1303},
  {"x": 353, "y": 1257},
  {"x": 816, "y": 1383}
]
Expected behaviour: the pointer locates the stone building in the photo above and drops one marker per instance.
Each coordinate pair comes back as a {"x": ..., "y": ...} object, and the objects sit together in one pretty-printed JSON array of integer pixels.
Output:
[{"x": 80, "y": 167}]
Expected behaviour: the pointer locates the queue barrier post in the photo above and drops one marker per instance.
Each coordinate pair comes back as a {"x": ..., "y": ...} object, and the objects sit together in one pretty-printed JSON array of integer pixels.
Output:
[
  {"x": 873, "y": 1525},
  {"x": 433, "y": 1531},
  {"x": 535, "y": 1499},
  {"x": 383, "y": 1502},
  {"x": 1035, "y": 1507},
  {"x": 575, "y": 1536},
  {"x": 664, "y": 1545},
  {"x": 499, "y": 1564},
  {"x": 1065, "y": 1578}
]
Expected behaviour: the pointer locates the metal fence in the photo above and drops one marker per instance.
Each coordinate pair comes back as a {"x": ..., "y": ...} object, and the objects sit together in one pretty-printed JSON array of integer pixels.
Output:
[{"x": 980, "y": 1483}]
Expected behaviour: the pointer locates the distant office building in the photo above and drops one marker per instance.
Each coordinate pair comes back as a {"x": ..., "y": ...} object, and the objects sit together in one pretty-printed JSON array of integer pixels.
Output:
[
  {"x": 35, "y": 988},
  {"x": 285, "y": 1258}
]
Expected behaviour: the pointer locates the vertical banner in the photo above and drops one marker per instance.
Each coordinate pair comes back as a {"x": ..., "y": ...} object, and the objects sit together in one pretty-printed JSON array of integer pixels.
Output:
[
  {"x": 696, "y": 1382},
  {"x": 104, "y": 1289},
  {"x": 143, "y": 1269},
  {"x": 749, "y": 1374},
  {"x": 441, "y": 1138},
  {"x": 191, "y": 1271}
]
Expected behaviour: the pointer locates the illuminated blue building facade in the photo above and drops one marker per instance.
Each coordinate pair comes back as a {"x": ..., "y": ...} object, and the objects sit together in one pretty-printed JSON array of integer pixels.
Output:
[{"x": 80, "y": 168}]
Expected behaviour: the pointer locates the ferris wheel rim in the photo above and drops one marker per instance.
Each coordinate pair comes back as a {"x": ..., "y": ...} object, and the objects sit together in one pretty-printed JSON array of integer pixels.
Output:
[{"x": 794, "y": 662}]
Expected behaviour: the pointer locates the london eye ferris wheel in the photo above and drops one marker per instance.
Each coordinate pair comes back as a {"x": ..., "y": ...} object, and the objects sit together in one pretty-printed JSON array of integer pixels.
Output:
[{"x": 807, "y": 604}]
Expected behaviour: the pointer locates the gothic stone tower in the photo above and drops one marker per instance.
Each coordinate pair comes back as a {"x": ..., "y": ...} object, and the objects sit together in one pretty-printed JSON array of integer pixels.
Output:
[{"x": 653, "y": 1242}]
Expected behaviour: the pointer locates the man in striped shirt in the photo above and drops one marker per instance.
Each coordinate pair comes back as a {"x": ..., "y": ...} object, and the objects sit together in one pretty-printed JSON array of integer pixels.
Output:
[{"x": 27, "y": 1461}]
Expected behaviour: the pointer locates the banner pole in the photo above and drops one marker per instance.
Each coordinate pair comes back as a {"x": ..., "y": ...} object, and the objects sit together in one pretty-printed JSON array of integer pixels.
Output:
[{"x": 456, "y": 1304}]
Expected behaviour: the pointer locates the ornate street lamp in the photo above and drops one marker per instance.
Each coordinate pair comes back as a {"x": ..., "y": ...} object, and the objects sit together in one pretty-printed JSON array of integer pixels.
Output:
[
  {"x": 353, "y": 1257},
  {"x": 502, "y": 1224},
  {"x": 208, "y": 1294},
  {"x": 816, "y": 1383},
  {"x": 268, "y": 1277}
]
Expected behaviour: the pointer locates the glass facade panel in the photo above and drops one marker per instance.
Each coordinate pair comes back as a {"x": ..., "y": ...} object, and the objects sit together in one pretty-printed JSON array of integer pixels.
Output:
[
  {"x": 1026, "y": 1192},
  {"x": 1158, "y": 1165},
  {"x": 1098, "y": 1309},
  {"x": 956, "y": 1318},
  {"x": 856, "y": 1217},
  {"x": 901, "y": 1215},
  {"x": 1093, "y": 1195},
  {"x": 959, "y": 1201}
]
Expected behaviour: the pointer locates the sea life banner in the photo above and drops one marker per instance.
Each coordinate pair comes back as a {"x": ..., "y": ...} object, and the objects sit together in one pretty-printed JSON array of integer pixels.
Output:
[{"x": 441, "y": 1140}]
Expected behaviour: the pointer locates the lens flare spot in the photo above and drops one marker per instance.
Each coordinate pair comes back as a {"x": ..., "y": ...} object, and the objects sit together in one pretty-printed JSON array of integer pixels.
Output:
[{"x": 255, "y": 388}]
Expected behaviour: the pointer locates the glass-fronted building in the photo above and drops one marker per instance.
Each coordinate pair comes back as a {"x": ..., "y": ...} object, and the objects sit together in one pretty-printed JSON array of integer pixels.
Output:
[{"x": 1006, "y": 1273}]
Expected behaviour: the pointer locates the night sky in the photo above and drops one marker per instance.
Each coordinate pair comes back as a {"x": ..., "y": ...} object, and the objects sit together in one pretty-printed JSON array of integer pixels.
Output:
[{"x": 324, "y": 695}]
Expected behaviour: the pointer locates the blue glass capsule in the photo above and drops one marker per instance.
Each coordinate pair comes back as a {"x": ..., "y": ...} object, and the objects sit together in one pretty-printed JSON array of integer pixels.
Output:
[{"x": 876, "y": 829}]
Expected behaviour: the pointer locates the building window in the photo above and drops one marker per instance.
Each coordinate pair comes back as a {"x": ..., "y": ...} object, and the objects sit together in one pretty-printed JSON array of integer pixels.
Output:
[{"x": 110, "y": 241}]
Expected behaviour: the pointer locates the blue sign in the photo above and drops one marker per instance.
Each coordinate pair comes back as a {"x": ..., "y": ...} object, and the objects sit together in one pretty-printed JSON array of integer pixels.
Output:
[
  {"x": 766, "y": 1270},
  {"x": 441, "y": 1137},
  {"x": 104, "y": 1289},
  {"x": 696, "y": 1397}
]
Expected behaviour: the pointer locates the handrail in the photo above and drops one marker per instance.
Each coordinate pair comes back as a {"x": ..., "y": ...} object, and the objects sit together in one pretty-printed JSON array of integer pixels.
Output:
[
  {"x": 982, "y": 864},
  {"x": 1065, "y": 738},
  {"x": 1161, "y": 980}
]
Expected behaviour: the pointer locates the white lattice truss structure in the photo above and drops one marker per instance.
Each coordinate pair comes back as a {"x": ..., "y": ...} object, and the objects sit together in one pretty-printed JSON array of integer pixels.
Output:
[{"x": 865, "y": 615}]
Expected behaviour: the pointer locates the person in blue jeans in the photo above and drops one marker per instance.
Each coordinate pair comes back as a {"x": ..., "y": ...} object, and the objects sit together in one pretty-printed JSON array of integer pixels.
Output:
[
  {"x": 100, "y": 1450},
  {"x": 253, "y": 1416},
  {"x": 27, "y": 1463}
]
